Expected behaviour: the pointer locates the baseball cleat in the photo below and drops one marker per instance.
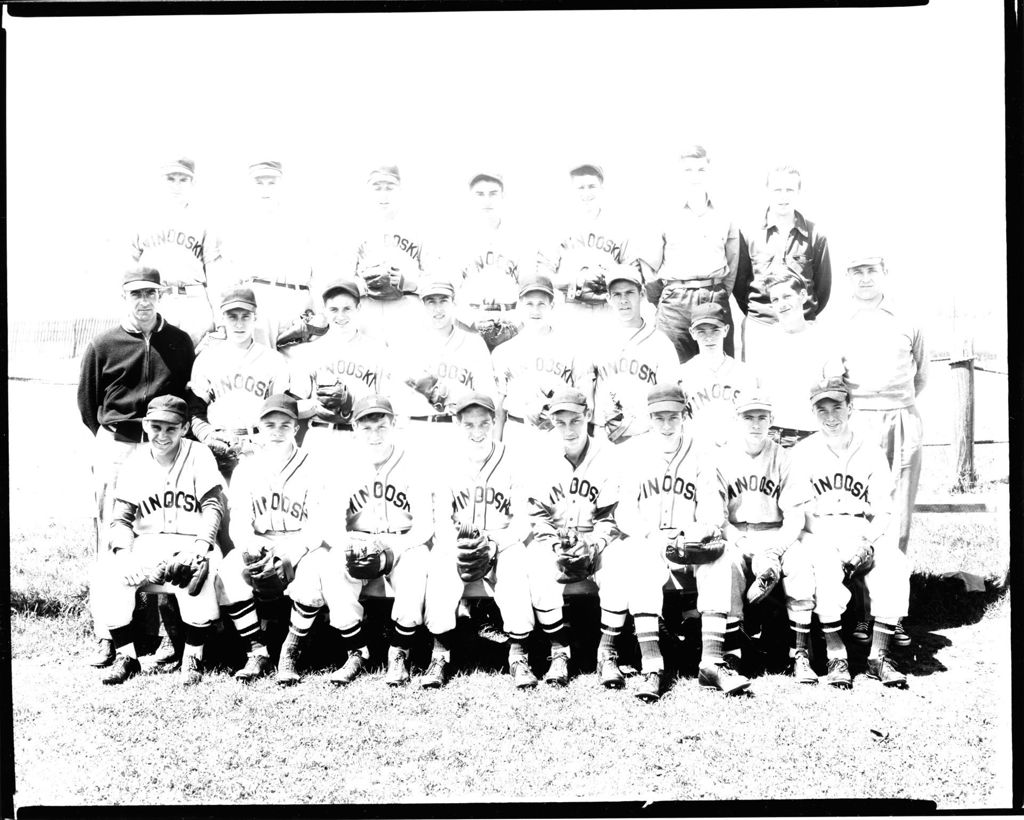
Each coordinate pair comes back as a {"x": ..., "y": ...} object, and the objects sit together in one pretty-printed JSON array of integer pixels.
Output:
[
  {"x": 723, "y": 677},
  {"x": 862, "y": 632},
  {"x": 558, "y": 671},
  {"x": 256, "y": 666},
  {"x": 166, "y": 653},
  {"x": 802, "y": 671},
  {"x": 649, "y": 690},
  {"x": 609, "y": 673},
  {"x": 436, "y": 675},
  {"x": 287, "y": 663},
  {"x": 398, "y": 667},
  {"x": 839, "y": 674},
  {"x": 122, "y": 668},
  {"x": 900, "y": 637},
  {"x": 348, "y": 673},
  {"x": 522, "y": 675},
  {"x": 883, "y": 669},
  {"x": 104, "y": 654},
  {"x": 191, "y": 670}
]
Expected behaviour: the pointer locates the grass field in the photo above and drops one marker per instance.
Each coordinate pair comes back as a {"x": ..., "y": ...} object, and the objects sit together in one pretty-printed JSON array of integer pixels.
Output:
[{"x": 946, "y": 739}]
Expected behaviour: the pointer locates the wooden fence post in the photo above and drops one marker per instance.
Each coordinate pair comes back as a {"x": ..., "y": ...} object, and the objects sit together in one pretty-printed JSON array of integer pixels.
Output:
[{"x": 961, "y": 363}]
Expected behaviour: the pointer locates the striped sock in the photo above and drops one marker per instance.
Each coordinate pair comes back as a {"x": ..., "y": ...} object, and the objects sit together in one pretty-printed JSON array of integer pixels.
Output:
[
  {"x": 712, "y": 638},
  {"x": 611, "y": 628},
  {"x": 302, "y": 619},
  {"x": 646, "y": 626},
  {"x": 355, "y": 639},
  {"x": 247, "y": 624},
  {"x": 800, "y": 630},
  {"x": 124, "y": 643},
  {"x": 881, "y": 638},
  {"x": 834, "y": 646},
  {"x": 732, "y": 644},
  {"x": 402, "y": 636},
  {"x": 555, "y": 628},
  {"x": 443, "y": 645}
]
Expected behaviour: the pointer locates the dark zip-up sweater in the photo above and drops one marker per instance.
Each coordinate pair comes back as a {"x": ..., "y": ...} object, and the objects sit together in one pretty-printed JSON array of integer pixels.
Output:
[{"x": 122, "y": 371}]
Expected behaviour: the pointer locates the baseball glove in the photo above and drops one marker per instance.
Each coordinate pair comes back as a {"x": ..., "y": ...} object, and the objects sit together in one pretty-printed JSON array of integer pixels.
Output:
[
  {"x": 615, "y": 424},
  {"x": 307, "y": 327},
  {"x": 573, "y": 556},
  {"x": 336, "y": 401},
  {"x": 365, "y": 559},
  {"x": 495, "y": 331},
  {"x": 226, "y": 449},
  {"x": 187, "y": 570},
  {"x": 383, "y": 280},
  {"x": 266, "y": 573},
  {"x": 679, "y": 550},
  {"x": 474, "y": 554},
  {"x": 430, "y": 388},
  {"x": 859, "y": 559},
  {"x": 767, "y": 570}
]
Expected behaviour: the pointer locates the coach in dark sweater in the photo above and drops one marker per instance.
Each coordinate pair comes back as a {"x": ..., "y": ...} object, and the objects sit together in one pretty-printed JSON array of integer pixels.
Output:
[{"x": 122, "y": 369}]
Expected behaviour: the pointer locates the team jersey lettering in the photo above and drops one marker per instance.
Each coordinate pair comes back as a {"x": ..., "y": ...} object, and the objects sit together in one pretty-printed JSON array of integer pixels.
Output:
[
  {"x": 169, "y": 499},
  {"x": 378, "y": 491},
  {"x": 841, "y": 482},
  {"x": 756, "y": 484},
  {"x": 643, "y": 372},
  {"x": 407, "y": 245},
  {"x": 668, "y": 484},
  {"x": 483, "y": 495},
  {"x": 447, "y": 370},
  {"x": 175, "y": 237},
  {"x": 602, "y": 243},
  {"x": 281, "y": 503},
  {"x": 498, "y": 260},
  {"x": 240, "y": 381},
  {"x": 713, "y": 393},
  {"x": 356, "y": 370}
]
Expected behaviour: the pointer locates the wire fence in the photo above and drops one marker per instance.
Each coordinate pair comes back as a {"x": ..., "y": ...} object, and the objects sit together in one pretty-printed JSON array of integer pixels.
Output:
[{"x": 54, "y": 339}]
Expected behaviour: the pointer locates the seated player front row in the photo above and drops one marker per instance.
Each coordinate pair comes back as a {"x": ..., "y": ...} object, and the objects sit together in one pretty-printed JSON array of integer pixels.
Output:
[{"x": 634, "y": 519}]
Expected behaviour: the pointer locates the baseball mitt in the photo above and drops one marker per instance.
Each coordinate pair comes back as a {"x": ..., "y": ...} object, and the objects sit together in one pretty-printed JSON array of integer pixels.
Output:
[
  {"x": 495, "y": 331},
  {"x": 307, "y": 327},
  {"x": 336, "y": 402},
  {"x": 767, "y": 570},
  {"x": 859, "y": 559},
  {"x": 680, "y": 550},
  {"x": 539, "y": 417},
  {"x": 615, "y": 424},
  {"x": 474, "y": 554},
  {"x": 428, "y": 386},
  {"x": 366, "y": 560},
  {"x": 266, "y": 573},
  {"x": 573, "y": 556},
  {"x": 183, "y": 571},
  {"x": 383, "y": 280}
]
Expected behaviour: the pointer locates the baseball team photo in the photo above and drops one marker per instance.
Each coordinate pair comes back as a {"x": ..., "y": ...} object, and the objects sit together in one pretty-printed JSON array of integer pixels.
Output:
[{"x": 521, "y": 407}]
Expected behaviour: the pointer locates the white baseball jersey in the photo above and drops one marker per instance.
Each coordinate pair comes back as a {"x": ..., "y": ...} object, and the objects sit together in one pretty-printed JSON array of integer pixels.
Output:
[
  {"x": 713, "y": 392},
  {"x": 459, "y": 360},
  {"x": 391, "y": 240},
  {"x": 356, "y": 359},
  {"x": 855, "y": 481},
  {"x": 167, "y": 499},
  {"x": 491, "y": 262},
  {"x": 178, "y": 244},
  {"x": 601, "y": 236},
  {"x": 787, "y": 364},
  {"x": 753, "y": 483},
  {"x": 627, "y": 365},
  {"x": 234, "y": 383},
  {"x": 669, "y": 491},
  {"x": 583, "y": 497},
  {"x": 528, "y": 367},
  {"x": 276, "y": 495},
  {"x": 489, "y": 496}
]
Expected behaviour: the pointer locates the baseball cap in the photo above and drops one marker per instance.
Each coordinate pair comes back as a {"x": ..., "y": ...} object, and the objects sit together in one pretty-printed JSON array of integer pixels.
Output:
[
  {"x": 494, "y": 177},
  {"x": 834, "y": 388},
  {"x": 438, "y": 287},
  {"x": 341, "y": 286},
  {"x": 625, "y": 273},
  {"x": 710, "y": 313},
  {"x": 667, "y": 397},
  {"x": 368, "y": 405},
  {"x": 167, "y": 408},
  {"x": 140, "y": 279},
  {"x": 858, "y": 261},
  {"x": 588, "y": 168},
  {"x": 568, "y": 399},
  {"x": 385, "y": 172},
  {"x": 537, "y": 284},
  {"x": 179, "y": 166},
  {"x": 238, "y": 297},
  {"x": 754, "y": 401},
  {"x": 280, "y": 403},
  {"x": 267, "y": 168},
  {"x": 475, "y": 400}
]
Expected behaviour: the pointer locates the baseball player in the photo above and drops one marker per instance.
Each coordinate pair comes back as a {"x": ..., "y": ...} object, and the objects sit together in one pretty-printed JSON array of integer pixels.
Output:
[
  {"x": 230, "y": 382},
  {"x": 389, "y": 265},
  {"x": 178, "y": 244},
  {"x": 579, "y": 259},
  {"x": 343, "y": 365},
  {"x": 843, "y": 484},
  {"x": 784, "y": 237},
  {"x": 269, "y": 253},
  {"x": 626, "y": 361},
  {"x": 491, "y": 258},
  {"x": 389, "y": 519},
  {"x": 694, "y": 260},
  {"x": 765, "y": 537},
  {"x": 121, "y": 368},
  {"x": 789, "y": 354},
  {"x": 880, "y": 348},
  {"x": 167, "y": 510},
  {"x": 481, "y": 525},
  {"x": 278, "y": 500},
  {"x": 575, "y": 537},
  {"x": 447, "y": 364},
  {"x": 672, "y": 508},
  {"x": 530, "y": 368},
  {"x": 713, "y": 380}
]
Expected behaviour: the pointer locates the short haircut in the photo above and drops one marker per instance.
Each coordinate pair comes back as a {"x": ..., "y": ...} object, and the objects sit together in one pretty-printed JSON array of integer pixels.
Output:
[
  {"x": 486, "y": 178},
  {"x": 784, "y": 169},
  {"x": 585, "y": 171},
  {"x": 693, "y": 151},
  {"x": 796, "y": 283}
]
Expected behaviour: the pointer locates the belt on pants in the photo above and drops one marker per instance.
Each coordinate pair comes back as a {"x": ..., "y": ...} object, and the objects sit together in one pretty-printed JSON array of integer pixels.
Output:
[
  {"x": 181, "y": 288},
  {"x": 244, "y": 431},
  {"x": 439, "y": 418},
  {"x": 502, "y": 307},
  {"x": 329, "y": 425},
  {"x": 813, "y": 520},
  {"x": 258, "y": 281},
  {"x": 695, "y": 284},
  {"x": 757, "y": 526}
]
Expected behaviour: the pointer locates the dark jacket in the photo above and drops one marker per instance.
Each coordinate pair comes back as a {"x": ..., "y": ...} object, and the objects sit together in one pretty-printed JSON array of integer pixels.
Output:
[{"x": 122, "y": 371}]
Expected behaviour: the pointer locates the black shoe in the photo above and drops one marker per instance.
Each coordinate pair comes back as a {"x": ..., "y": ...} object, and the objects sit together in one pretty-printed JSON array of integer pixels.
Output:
[
  {"x": 191, "y": 670},
  {"x": 609, "y": 673},
  {"x": 436, "y": 675},
  {"x": 558, "y": 671},
  {"x": 839, "y": 674},
  {"x": 123, "y": 667},
  {"x": 351, "y": 669},
  {"x": 802, "y": 671},
  {"x": 398, "y": 667},
  {"x": 288, "y": 662},
  {"x": 883, "y": 669},
  {"x": 104, "y": 654},
  {"x": 649, "y": 690},
  {"x": 900, "y": 637},
  {"x": 723, "y": 677},
  {"x": 862, "y": 632}
]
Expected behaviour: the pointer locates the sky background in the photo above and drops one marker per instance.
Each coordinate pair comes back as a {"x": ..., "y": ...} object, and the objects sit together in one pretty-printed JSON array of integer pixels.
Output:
[{"x": 895, "y": 117}]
